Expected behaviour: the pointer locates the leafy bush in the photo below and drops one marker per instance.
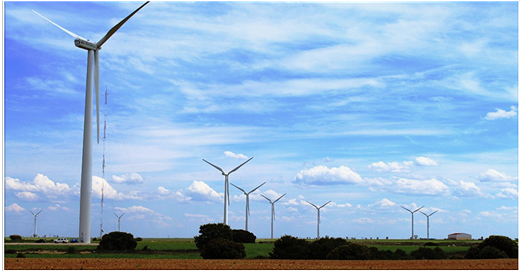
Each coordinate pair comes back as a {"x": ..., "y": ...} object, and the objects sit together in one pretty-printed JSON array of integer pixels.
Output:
[
  {"x": 71, "y": 250},
  {"x": 138, "y": 239},
  {"x": 15, "y": 237},
  {"x": 500, "y": 243},
  {"x": 320, "y": 248},
  {"x": 376, "y": 254},
  {"x": 242, "y": 236},
  {"x": 288, "y": 247},
  {"x": 212, "y": 231},
  {"x": 428, "y": 253},
  {"x": 350, "y": 251},
  {"x": 20, "y": 255},
  {"x": 117, "y": 241},
  {"x": 221, "y": 248}
]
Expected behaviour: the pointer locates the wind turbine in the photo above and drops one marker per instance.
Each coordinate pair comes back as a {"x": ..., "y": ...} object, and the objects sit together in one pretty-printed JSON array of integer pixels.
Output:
[
  {"x": 119, "y": 221},
  {"x": 272, "y": 210},
  {"x": 247, "y": 198},
  {"x": 428, "y": 223},
  {"x": 86, "y": 166},
  {"x": 318, "y": 208},
  {"x": 226, "y": 186},
  {"x": 412, "y": 215},
  {"x": 35, "y": 215}
]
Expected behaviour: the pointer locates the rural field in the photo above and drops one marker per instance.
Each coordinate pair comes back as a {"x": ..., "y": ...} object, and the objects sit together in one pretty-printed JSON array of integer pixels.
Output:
[
  {"x": 254, "y": 264},
  {"x": 177, "y": 253}
]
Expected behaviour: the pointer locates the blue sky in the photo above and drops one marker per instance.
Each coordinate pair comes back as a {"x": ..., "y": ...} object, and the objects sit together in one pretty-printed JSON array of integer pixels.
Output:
[{"x": 371, "y": 106}]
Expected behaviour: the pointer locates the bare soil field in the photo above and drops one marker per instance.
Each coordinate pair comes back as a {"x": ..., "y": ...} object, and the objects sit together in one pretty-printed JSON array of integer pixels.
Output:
[{"x": 258, "y": 264}]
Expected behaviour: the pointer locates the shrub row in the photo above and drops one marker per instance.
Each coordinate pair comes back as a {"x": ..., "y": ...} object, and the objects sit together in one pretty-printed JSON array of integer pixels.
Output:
[
  {"x": 219, "y": 241},
  {"x": 494, "y": 247}
]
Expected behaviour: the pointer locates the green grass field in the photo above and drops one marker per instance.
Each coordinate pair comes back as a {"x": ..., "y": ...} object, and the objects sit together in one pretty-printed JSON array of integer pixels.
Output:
[{"x": 184, "y": 248}]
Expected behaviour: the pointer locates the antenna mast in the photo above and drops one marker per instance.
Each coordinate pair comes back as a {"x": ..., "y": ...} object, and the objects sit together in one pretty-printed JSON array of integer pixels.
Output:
[{"x": 104, "y": 164}]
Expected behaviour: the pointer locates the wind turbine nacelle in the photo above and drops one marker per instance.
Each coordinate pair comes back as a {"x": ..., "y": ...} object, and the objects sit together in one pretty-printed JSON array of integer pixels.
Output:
[{"x": 85, "y": 44}]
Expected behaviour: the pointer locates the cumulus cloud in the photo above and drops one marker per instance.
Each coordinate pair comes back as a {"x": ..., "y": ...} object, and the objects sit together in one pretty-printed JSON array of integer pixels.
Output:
[
  {"x": 200, "y": 191},
  {"x": 135, "y": 209},
  {"x": 425, "y": 161},
  {"x": 57, "y": 207},
  {"x": 383, "y": 204},
  {"x": 40, "y": 183},
  {"x": 15, "y": 208},
  {"x": 492, "y": 175},
  {"x": 391, "y": 166},
  {"x": 141, "y": 212},
  {"x": 502, "y": 114},
  {"x": 322, "y": 175},
  {"x": 430, "y": 187},
  {"x": 468, "y": 189},
  {"x": 26, "y": 195},
  {"x": 176, "y": 195},
  {"x": 129, "y": 178},
  {"x": 109, "y": 192},
  {"x": 233, "y": 155},
  {"x": 508, "y": 193},
  {"x": 363, "y": 220}
]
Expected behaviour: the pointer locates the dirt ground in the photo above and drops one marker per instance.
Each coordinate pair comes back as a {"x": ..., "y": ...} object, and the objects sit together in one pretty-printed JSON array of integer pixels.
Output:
[{"x": 258, "y": 264}]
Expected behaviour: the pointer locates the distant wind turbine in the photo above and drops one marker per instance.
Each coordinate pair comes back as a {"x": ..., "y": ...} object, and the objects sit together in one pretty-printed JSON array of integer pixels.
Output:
[
  {"x": 119, "y": 221},
  {"x": 247, "y": 198},
  {"x": 412, "y": 215},
  {"x": 86, "y": 167},
  {"x": 272, "y": 210},
  {"x": 428, "y": 223},
  {"x": 226, "y": 186},
  {"x": 318, "y": 208},
  {"x": 35, "y": 215}
]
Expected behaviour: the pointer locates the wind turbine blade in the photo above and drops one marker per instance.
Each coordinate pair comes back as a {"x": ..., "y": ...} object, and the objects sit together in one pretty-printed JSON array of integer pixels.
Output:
[
  {"x": 122, "y": 214},
  {"x": 406, "y": 209},
  {"x": 418, "y": 209},
  {"x": 96, "y": 81},
  {"x": 255, "y": 188},
  {"x": 433, "y": 213},
  {"x": 279, "y": 198},
  {"x": 31, "y": 212},
  {"x": 38, "y": 212},
  {"x": 67, "y": 31},
  {"x": 312, "y": 204},
  {"x": 117, "y": 26},
  {"x": 325, "y": 204},
  {"x": 240, "y": 165},
  {"x": 215, "y": 167},
  {"x": 266, "y": 198},
  {"x": 423, "y": 213},
  {"x": 238, "y": 188}
]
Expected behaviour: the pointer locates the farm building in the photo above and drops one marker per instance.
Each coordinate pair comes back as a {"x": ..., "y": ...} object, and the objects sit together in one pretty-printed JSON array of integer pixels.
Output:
[{"x": 459, "y": 236}]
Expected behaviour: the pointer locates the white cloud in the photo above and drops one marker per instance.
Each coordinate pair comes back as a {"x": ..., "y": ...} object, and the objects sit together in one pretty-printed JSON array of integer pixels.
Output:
[
  {"x": 322, "y": 175},
  {"x": 57, "y": 207},
  {"x": 14, "y": 208},
  {"x": 502, "y": 114},
  {"x": 391, "y": 166},
  {"x": 135, "y": 209},
  {"x": 363, "y": 220},
  {"x": 383, "y": 204},
  {"x": 176, "y": 195},
  {"x": 468, "y": 189},
  {"x": 26, "y": 196},
  {"x": 200, "y": 191},
  {"x": 238, "y": 156},
  {"x": 109, "y": 192},
  {"x": 129, "y": 178},
  {"x": 508, "y": 193},
  {"x": 492, "y": 175},
  {"x": 41, "y": 184},
  {"x": 430, "y": 187},
  {"x": 425, "y": 161}
]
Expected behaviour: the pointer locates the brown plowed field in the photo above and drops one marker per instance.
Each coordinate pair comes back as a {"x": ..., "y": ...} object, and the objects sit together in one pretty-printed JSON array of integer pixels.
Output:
[{"x": 132, "y": 264}]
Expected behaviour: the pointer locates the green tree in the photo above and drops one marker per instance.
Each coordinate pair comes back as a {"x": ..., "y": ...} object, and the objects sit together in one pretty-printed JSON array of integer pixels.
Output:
[
  {"x": 289, "y": 247},
  {"x": 117, "y": 241},
  {"x": 320, "y": 248},
  {"x": 212, "y": 231},
  {"x": 221, "y": 248},
  {"x": 350, "y": 251}
]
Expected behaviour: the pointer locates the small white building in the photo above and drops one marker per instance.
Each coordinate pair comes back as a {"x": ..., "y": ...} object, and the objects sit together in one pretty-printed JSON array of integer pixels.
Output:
[{"x": 459, "y": 236}]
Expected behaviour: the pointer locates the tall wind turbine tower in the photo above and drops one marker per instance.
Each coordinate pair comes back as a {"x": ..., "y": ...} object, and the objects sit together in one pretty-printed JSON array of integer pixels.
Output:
[
  {"x": 428, "y": 223},
  {"x": 272, "y": 210},
  {"x": 35, "y": 216},
  {"x": 247, "y": 198},
  {"x": 412, "y": 216},
  {"x": 318, "y": 208},
  {"x": 86, "y": 167},
  {"x": 226, "y": 186}
]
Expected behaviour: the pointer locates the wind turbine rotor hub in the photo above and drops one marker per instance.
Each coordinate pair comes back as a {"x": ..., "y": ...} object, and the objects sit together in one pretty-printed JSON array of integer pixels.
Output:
[{"x": 85, "y": 44}]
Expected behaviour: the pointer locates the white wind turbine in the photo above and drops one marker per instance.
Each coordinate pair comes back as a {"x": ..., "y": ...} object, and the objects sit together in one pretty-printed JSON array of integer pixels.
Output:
[
  {"x": 226, "y": 186},
  {"x": 318, "y": 208},
  {"x": 428, "y": 223},
  {"x": 247, "y": 198},
  {"x": 272, "y": 210},
  {"x": 412, "y": 216},
  {"x": 35, "y": 216},
  {"x": 86, "y": 167}
]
